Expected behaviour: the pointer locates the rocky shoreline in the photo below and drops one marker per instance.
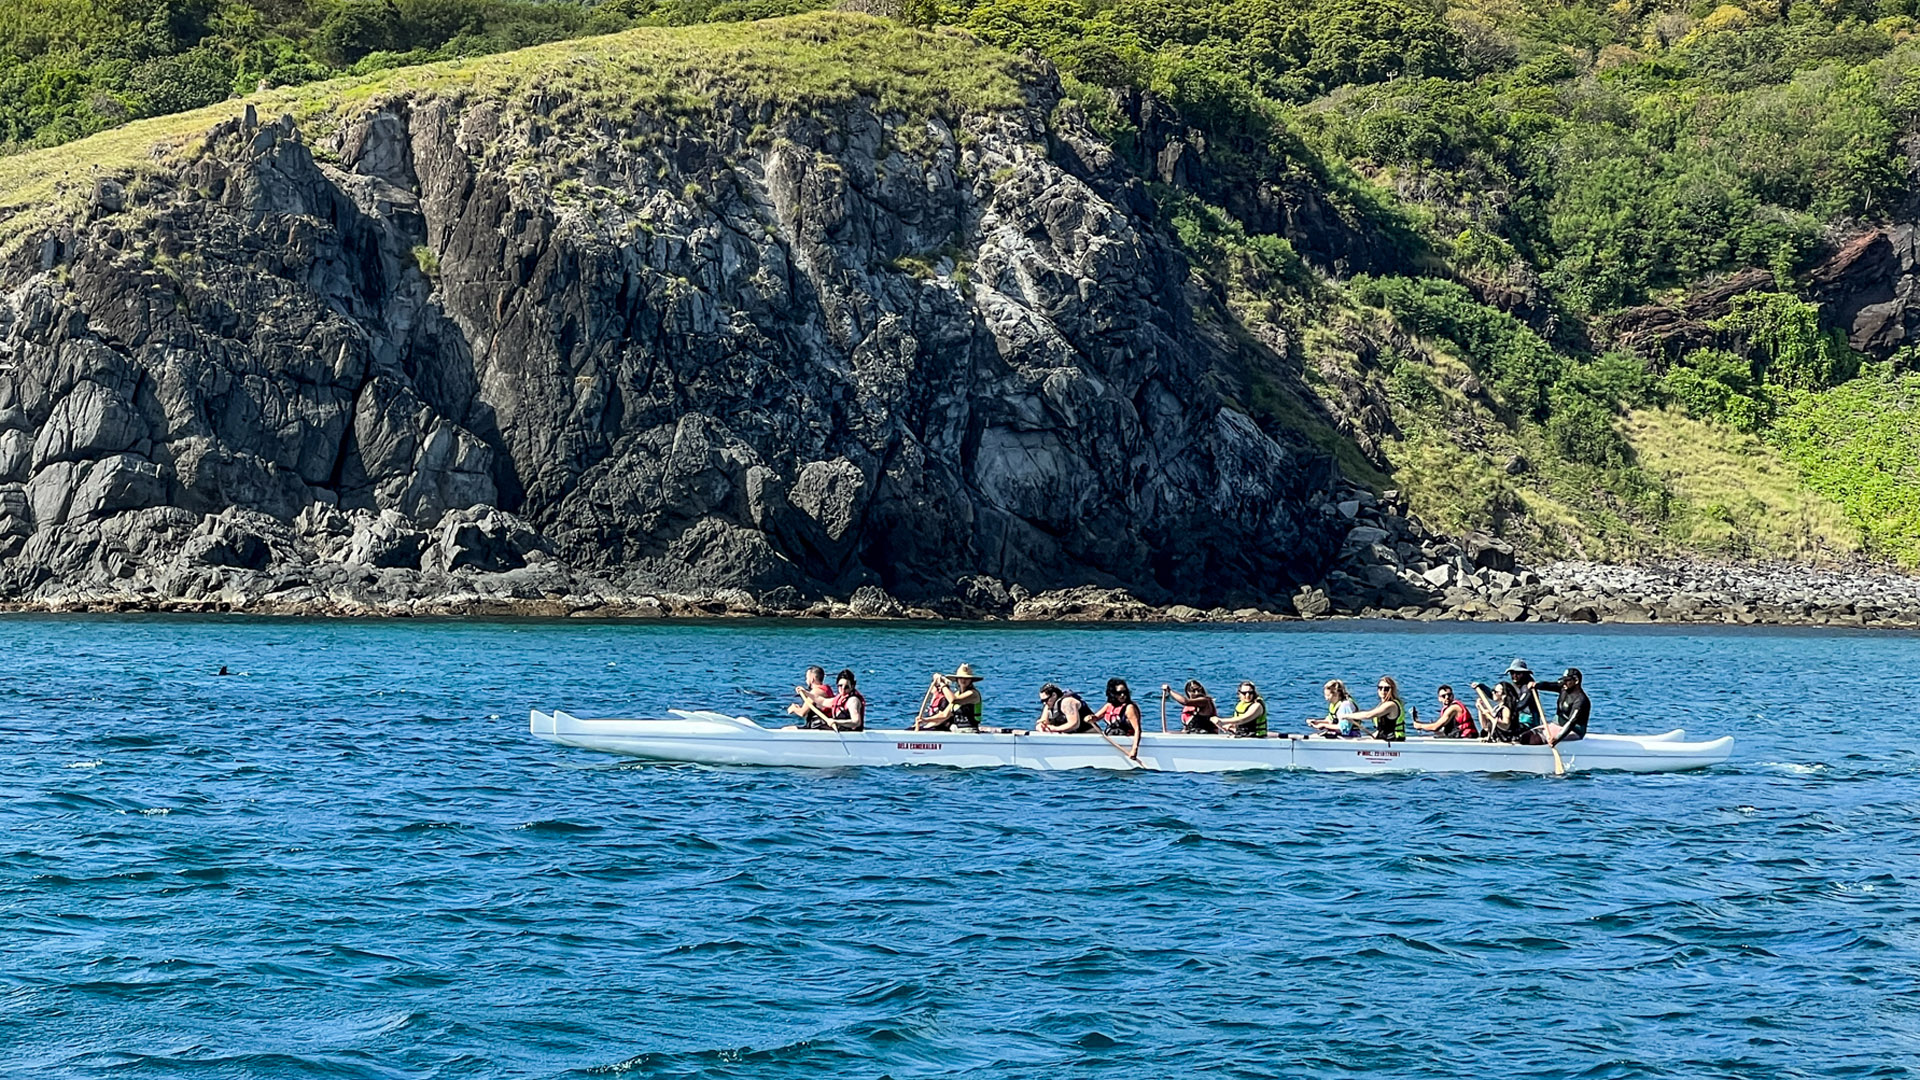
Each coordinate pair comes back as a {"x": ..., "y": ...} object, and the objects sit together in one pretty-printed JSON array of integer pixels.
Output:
[{"x": 482, "y": 563}]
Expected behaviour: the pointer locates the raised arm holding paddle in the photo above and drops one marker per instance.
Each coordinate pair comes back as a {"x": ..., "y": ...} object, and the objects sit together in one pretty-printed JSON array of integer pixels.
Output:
[{"x": 964, "y": 705}]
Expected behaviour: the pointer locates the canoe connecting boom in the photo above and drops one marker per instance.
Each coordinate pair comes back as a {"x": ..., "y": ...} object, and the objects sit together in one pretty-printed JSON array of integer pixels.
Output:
[{"x": 710, "y": 738}]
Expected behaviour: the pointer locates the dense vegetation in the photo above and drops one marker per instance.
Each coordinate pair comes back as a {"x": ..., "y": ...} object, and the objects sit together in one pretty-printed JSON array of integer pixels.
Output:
[
  {"x": 69, "y": 68},
  {"x": 1520, "y": 171},
  {"x": 1539, "y": 165}
]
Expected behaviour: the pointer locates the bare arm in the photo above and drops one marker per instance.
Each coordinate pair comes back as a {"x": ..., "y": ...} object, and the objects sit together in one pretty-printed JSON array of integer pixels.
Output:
[{"x": 1139, "y": 729}]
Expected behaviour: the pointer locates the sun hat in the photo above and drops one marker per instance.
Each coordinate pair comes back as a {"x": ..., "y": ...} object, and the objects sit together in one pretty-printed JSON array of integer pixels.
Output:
[
  {"x": 964, "y": 671},
  {"x": 1519, "y": 665}
]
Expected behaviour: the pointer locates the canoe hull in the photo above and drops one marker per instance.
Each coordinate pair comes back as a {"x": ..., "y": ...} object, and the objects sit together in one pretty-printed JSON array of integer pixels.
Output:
[{"x": 705, "y": 738}]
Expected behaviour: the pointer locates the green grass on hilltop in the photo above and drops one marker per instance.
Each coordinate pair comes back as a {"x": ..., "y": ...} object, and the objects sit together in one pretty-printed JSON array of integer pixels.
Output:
[{"x": 799, "y": 64}]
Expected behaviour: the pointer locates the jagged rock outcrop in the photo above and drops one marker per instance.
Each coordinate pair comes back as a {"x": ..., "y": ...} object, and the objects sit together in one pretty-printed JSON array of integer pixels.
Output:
[
  {"x": 459, "y": 334},
  {"x": 1870, "y": 289},
  {"x": 1667, "y": 332}
]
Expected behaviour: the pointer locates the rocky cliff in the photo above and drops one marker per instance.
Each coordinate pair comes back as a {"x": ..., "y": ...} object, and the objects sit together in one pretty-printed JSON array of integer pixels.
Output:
[{"x": 521, "y": 328}]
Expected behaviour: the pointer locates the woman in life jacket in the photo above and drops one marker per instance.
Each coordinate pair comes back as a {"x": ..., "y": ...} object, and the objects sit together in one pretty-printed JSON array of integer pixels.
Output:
[
  {"x": 1455, "y": 722},
  {"x": 1499, "y": 711},
  {"x": 1120, "y": 717},
  {"x": 1339, "y": 723},
  {"x": 964, "y": 705},
  {"x": 936, "y": 702},
  {"x": 848, "y": 709},
  {"x": 1063, "y": 712},
  {"x": 1197, "y": 710},
  {"x": 1249, "y": 719},
  {"x": 1390, "y": 716}
]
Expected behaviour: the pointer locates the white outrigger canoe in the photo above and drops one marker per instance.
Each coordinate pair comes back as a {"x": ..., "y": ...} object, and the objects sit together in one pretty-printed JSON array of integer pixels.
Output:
[{"x": 711, "y": 738}]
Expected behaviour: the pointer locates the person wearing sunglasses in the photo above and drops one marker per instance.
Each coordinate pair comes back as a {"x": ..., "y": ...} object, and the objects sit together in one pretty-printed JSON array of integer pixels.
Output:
[
  {"x": 1570, "y": 712},
  {"x": 1063, "y": 712},
  {"x": 1198, "y": 714},
  {"x": 1499, "y": 712},
  {"x": 1120, "y": 717},
  {"x": 1249, "y": 719},
  {"x": 1390, "y": 716},
  {"x": 1455, "y": 722}
]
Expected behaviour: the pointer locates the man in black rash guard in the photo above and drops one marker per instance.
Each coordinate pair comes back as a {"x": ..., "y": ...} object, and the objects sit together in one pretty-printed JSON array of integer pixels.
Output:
[{"x": 1570, "y": 712}]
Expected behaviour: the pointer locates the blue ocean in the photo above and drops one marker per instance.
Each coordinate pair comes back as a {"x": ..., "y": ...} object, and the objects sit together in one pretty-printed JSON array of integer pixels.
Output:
[{"x": 347, "y": 858}]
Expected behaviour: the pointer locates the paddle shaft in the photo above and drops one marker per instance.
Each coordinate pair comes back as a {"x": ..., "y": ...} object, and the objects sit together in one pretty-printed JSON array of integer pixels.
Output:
[
  {"x": 1559, "y": 766},
  {"x": 1163, "y": 712},
  {"x": 1124, "y": 752},
  {"x": 1128, "y": 754},
  {"x": 920, "y": 713}
]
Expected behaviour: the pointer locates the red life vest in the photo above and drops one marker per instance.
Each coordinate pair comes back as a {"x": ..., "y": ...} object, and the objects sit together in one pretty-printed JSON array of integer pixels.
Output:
[
  {"x": 1116, "y": 719},
  {"x": 837, "y": 708},
  {"x": 1462, "y": 719}
]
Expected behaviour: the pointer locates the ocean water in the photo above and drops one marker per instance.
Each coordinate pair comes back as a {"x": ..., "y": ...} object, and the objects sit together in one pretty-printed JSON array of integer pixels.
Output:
[{"x": 349, "y": 859}]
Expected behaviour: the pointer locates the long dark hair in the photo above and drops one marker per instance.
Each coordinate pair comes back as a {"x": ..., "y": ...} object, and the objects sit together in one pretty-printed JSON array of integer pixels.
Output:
[
  {"x": 1118, "y": 692},
  {"x": 1507, "y": 694},
  {"x": 847, "y": 674},
  {"x": 1194, "y": 689}
]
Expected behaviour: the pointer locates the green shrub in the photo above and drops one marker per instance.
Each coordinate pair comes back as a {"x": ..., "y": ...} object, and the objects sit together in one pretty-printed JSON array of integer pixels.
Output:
[
  {"x": 1788, "y": 346},
  {"x": 1717, "y": 386},
  {"x": 1509, "y": 356},
  {"x": 1581, "y": 430}
]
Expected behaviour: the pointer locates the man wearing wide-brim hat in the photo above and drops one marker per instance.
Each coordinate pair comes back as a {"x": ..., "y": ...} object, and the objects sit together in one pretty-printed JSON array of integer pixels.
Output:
[{"x": 963, "y": 708}]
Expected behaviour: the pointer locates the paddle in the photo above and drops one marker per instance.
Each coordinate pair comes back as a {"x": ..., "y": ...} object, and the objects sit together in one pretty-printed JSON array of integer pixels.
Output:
[
  {"x": 1559, "y": 766},
  {"x": 1124, "y": 752},
  {"x": 1487, "y": 708},
  {"x": 920, "y": 713},
  {"x": 1163, "y": 712}
]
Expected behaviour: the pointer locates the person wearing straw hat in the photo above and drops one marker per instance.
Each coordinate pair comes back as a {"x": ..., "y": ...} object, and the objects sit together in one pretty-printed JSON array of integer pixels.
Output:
[{"x": 964, "y": 704}]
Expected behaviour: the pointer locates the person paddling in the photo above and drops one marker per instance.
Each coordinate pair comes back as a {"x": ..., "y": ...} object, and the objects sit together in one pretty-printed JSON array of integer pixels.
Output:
[
  {"x": 848, "y": 709},
  {"x": 1570, "y": 712},
  {"x": 1390, "y": 716},
  {"x": 964, "y": 704},
  {"x": 1197, "y": 710},
  {"x": 1063, "y": 712},
  {"x": 1249, "y": 719},
  {"x": 1499, "y": 712},
  {"x": 845, "y": 710},
  {"x": 1120, "y": 717},
  {"x": 1456, "y": 721},
  {"x": 814, "y": 695},
  {"x": 1529, "y": 716},
  {"x": 934, "y": 702},
  {"x": 1339, "y": 723}
]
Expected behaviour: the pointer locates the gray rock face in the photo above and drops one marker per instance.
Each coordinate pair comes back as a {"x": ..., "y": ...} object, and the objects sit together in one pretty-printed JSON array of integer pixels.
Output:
[
  {"x": 817, "y": 354},
  {"x": 1870, "y": 288}
]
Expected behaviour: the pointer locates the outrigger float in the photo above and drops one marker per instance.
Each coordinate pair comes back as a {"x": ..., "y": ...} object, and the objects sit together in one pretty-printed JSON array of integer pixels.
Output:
[{"x": 711, "y": 738}]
